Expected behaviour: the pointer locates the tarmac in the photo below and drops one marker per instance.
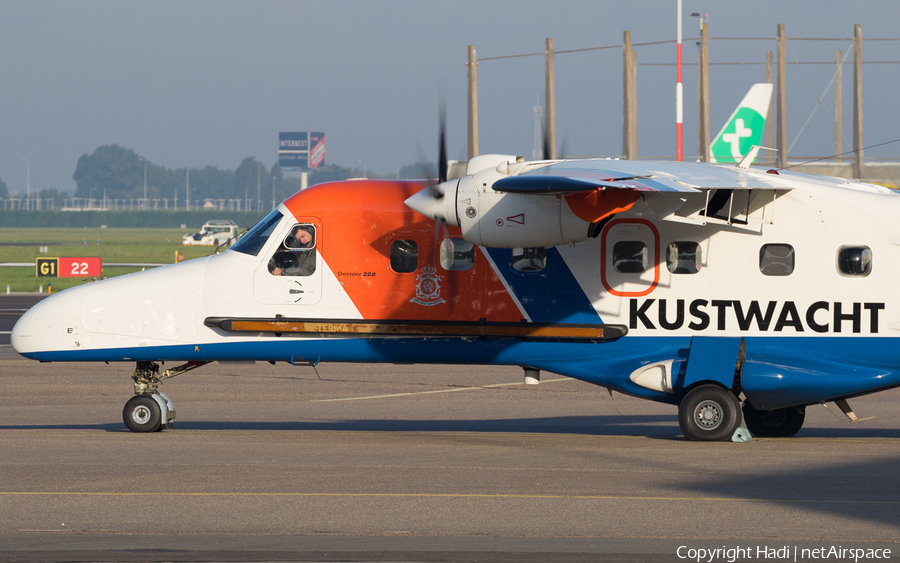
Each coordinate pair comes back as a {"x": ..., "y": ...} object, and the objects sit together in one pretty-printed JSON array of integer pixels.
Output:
[{"x": 347, "y": 462}]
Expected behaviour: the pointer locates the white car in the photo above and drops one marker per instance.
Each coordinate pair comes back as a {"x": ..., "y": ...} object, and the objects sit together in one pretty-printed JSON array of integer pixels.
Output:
[{"x": 213, "y": 233}]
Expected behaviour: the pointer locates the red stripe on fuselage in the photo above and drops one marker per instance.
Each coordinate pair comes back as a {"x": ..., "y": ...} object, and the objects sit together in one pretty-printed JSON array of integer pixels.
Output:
[{"x": 361, "y": 219}]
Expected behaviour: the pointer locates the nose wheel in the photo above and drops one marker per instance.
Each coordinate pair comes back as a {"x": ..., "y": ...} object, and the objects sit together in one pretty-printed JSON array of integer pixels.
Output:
[
  {"x": 151, "y": 410},
  {"x": 149, "y": 413}
]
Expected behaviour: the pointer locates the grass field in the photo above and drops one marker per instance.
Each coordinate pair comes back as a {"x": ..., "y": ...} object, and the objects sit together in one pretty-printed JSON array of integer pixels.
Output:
[{"x": 156, "y": 246}]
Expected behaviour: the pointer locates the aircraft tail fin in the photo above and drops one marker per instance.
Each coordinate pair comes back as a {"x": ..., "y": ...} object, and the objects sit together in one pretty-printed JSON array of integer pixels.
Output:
[{"x": 745, "y": 126}]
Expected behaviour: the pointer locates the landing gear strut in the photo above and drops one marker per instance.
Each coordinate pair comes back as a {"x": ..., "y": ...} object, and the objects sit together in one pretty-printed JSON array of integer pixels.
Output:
[{"x": 151, "y": 410}]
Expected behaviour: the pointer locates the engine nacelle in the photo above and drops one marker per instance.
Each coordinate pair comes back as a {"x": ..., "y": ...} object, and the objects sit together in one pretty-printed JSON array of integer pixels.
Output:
[{"x": 500, "y": 220}]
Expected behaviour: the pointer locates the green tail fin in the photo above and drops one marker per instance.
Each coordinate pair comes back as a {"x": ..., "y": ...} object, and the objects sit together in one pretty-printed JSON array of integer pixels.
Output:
[{"x": 744, "y": 128}]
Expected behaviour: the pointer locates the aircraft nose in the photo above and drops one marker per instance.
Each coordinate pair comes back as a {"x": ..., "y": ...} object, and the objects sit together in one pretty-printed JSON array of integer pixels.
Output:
[
  {"x": 42, "y": 326},
  {"x": 22, "y": 335}
]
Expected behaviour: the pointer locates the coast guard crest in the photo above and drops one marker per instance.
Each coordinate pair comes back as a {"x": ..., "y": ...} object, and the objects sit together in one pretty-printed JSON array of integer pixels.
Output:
[{"x": 428, "y": 290}]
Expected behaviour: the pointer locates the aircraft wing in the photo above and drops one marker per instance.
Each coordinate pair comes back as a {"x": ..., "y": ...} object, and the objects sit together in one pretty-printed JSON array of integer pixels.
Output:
[{"x": 576, "y": 176}]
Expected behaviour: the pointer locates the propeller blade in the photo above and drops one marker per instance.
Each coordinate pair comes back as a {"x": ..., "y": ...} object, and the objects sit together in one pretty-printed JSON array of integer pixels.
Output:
[
  {"x": 442, "y": 139},
  {"x": 546, "y": 148}
]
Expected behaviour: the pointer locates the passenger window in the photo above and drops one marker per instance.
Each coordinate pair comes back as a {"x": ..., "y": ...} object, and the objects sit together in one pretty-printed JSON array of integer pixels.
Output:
[
  {"x": 776, "y": 259},
  {"x": 630, "y": 257},
  {"x": 457, "y": 254},
  {"x": 252, "y": 242},
  {"x": 296, "y": 255},
  {"x": 855, "y": 261},
  {"x": 528, "y": 259},
  {"x": 683, "y": 257},
  {"x": 404, "y": 256}
]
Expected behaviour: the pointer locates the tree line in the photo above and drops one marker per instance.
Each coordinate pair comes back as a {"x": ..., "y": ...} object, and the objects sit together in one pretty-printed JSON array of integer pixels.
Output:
[
  {"x": 120, "y": 172},
  {"x": 116, "y": 172}
]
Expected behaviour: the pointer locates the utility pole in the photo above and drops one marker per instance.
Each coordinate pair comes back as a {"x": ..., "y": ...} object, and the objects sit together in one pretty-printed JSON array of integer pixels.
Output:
[
  {"x": 550, "y": 102},
  {"x": 704, "y": 54},
  {"x": 859, "y": 167},
  {"x": 838, "y": 106},
  {"x": 702, "y": 90},
  {"x": 473, "y": 103},
  {"x": 187, "y": 189},
  {"x": 629, "y": 100},
  {"x": 770, "y": 128},
  {"x": 782, "y": 102}
]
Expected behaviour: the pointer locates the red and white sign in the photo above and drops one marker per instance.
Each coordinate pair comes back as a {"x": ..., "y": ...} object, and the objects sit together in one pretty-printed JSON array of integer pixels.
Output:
[
  {"x": 317, "y": 152},
  {"x": 80, "y": 267}
]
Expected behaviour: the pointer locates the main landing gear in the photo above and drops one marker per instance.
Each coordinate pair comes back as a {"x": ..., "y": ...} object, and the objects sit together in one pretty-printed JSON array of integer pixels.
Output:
[
  {"x": 776, "y": 423},
  {"x": 712, "y": 413},
  {"x": 709, "y": 413},
  {"x": 151, "y": 410}
]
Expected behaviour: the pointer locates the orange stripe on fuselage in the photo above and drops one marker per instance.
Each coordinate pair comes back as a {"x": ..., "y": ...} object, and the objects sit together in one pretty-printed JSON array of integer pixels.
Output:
[{"x": 360, "y": 219}]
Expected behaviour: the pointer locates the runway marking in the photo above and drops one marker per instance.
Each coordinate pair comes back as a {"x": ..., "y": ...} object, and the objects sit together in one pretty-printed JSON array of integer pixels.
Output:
[
  {"x": 430, "y": 392},
  {"x": 456, "y": 495}
]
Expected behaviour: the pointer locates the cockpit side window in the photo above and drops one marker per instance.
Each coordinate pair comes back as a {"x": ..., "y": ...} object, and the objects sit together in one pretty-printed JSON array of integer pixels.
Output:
[
  {"x": 296, "y": 255},
  {"x": 252, "y": 242}
]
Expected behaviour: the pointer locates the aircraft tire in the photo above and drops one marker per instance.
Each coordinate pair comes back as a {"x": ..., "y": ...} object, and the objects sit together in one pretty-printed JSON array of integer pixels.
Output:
[
  {"x": 142, "y": 414},
  {"x": 776, "y": 423},
  {"x": 709, "y": 413}
]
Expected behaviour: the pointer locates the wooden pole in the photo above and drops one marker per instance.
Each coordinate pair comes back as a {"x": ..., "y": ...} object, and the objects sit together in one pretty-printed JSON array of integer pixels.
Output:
[
  {"x": 704, "y": 48},
  {"x": 838, "y": 106},
  {"x": 859, "y": 169},
  {"x": 473, "y": 103},
  {"x": 699, "y": 102},
  {"x": 782, "y": 102},
  {"x": 626, "y": 95},
  {"x": 633, "y": 97},
  {"x": 770, "y": 117},
  {"x": 550, "y": 103}
]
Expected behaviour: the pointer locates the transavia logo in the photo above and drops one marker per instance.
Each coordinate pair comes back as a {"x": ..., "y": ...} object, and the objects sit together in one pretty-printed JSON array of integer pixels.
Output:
[
  {"x": 428, "y": 290},
  {"x": 741, "y": 133}
]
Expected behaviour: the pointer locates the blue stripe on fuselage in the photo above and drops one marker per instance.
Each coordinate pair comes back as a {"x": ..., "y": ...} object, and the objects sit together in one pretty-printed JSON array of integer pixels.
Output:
[{"x": 549, "y": 296}]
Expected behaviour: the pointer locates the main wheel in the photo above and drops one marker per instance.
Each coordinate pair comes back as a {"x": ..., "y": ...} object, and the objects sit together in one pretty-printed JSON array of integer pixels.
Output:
[
  {"x": 142, "y": 414},
  {"x": 709, "y": 413},
  {"x": 775, "y": 423}
]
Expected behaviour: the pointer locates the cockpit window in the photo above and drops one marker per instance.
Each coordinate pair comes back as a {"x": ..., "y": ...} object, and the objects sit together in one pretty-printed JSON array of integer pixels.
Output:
[
  {"x": 296, "y": 255},
  {"x": 256, "y": 238}
]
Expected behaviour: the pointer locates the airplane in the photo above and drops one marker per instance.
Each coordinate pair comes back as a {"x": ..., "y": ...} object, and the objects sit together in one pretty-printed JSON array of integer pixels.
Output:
[{"x": 734, "y": 293}]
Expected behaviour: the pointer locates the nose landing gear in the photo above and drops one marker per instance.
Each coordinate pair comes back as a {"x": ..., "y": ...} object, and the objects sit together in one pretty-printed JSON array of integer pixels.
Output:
[{"x": 151, "y": 410}]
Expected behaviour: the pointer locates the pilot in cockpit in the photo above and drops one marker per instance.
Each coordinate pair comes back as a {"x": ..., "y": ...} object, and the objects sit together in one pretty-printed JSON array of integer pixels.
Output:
[{"x": 296, "y": 256}]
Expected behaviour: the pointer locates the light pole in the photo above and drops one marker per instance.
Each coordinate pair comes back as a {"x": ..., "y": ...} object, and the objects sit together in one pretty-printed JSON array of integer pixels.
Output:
[
  {"x": 27, "y": 181},
  {"x": 258, "y": 199},
  {"x": 144, "y": 204}
]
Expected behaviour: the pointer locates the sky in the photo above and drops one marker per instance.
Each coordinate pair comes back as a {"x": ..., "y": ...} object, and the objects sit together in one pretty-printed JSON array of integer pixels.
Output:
[{"x": 195, "y": 83}]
